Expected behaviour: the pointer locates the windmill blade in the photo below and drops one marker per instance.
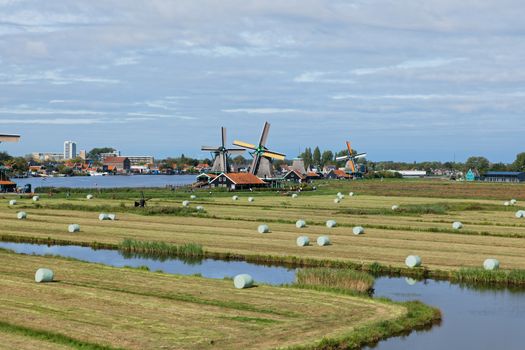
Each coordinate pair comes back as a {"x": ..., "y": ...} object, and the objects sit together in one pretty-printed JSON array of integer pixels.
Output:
[
  {"x": 349, "y": 147},
  {"x": 235, "y": 151},
  {"x": 264, "y": 135},
  {"x": 9, "y": 138},
  {"x": 210, "y": 148},
  {"x": 360, "y": 155},
  {"x": 342, "y": 158},
  {"x": 273, "y": 155},
  {"x": 244, "y": 144},
  {"x": 352, "y": 165},
  {"x": 223, "y": 130}
]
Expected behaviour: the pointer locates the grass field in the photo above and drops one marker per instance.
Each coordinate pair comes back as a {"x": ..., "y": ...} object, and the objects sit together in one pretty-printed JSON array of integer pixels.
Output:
[
  {"x": 92, "y": 306},
  {"x": 422, "y": 226}
]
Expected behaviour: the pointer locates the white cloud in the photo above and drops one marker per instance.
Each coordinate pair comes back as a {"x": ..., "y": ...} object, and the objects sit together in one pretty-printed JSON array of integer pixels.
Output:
[
  {"x": 322, "y": 77},
  {"x": 261, "y": 110},
  {"x": 54, "y": 77}
]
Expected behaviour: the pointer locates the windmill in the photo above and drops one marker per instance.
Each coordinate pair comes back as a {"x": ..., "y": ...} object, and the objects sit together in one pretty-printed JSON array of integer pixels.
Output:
[
  {"x": 350, "y": 158},
  {"x": 221, "y": 154},
  {"x": 262, "y": 157},
  {"x": 9, "y": 138}
]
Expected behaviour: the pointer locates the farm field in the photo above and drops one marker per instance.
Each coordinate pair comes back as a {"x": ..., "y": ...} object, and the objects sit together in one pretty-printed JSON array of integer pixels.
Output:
[
  {"x": 92, "y": 306},
  {"x": 422, "y": 225}
]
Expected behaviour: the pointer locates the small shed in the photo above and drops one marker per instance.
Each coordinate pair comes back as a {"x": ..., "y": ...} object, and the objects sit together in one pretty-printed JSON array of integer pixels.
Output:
[{"x": 338, "y": 174}]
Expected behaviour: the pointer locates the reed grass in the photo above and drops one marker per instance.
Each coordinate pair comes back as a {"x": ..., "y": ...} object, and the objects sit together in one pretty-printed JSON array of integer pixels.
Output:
[
  {"x": 496, "y": 277},
  {"x": 346, "y": 279},
  {"x": 161, "y": 248}
]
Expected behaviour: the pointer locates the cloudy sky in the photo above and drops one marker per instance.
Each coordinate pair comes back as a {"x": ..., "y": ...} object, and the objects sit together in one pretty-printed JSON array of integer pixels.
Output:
[{"x": 403, "y": 80}]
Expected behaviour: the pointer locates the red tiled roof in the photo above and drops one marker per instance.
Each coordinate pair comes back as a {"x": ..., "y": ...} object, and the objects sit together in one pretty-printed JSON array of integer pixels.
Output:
[
  {"x": 244, "y": 179},
  {"x": 312, "y": 174},
  {"x": 301, "y": 176},
  {"x": 341, "y": 173},
  {"x": 2, "y": 182}
]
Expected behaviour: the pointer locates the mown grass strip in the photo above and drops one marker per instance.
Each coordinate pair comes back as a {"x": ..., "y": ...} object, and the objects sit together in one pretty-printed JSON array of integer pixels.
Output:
[{"x": 51, "y": 337}]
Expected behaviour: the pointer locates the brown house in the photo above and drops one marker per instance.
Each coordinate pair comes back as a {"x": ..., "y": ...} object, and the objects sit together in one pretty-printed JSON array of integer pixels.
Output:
[
  {"x": 295, "y": 176},
  {"x": 236, "y": 181},
  {"x": 118, "y": 164},
  {"x": 338, "y": 174}
]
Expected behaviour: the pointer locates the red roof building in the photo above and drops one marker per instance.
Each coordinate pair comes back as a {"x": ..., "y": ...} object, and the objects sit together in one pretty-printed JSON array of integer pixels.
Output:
[{"x": 237, "y": 181}]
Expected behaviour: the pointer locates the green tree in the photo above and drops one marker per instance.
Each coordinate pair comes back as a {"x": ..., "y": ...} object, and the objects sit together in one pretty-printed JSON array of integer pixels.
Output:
[
  {"x": 519, "y": 163},
  {"x": 316, "y": 157},
  {"x": 4, "y": 156},
  {"x": 95, "y": 152},
  {"x": 482, "y": 164},
  {"x": 327, "y": 157},
  {"x": 307, "y": 157}
]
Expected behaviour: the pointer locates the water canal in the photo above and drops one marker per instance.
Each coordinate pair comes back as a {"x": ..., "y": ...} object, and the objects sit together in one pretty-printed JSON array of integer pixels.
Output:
[{"x": 473, "y": 318}]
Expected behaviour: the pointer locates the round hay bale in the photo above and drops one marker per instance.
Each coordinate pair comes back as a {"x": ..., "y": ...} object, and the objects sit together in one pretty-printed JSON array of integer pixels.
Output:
[
  {"x": 520, "y": 214},
  {"x": 491, "y": 264},
  {"x": 358, "y": 230},
  {"x": 44, "y": 275},
  {"x": 300, "y": 224},
  {"x": 456, "y": 225},
  {"x": 331, "y": 224},
  {"x": 337, "y": 200},
  {"x": 36, "y": 198},
  {"x": 243, "y": 281},
  {"x": 303, "y": 241},
  {"x": 295, "y": 195},
  {"x": 263, "y": 228},
  {"x": 513, "y": 202},
  {"x": 21, "y": 215},
  {"x": 112, "y": 217},
  {"x": 12, "y": 202},
  {"x": 200, "y": 208},
  {"x": 323, "y": 240},
  {"x": 506, "y": 203},
  {"x": 339, "y": 194},
  {"x": 351, "y": 194},
  {"x": 103, "y": 216},
  {"x": 193, "y": 196},
  {"x": 410, "y": 281},
  {"x": 395, "y": 207},
  {"x": 89, "y": 196},
  {"x": 413, "y": 261},
  {"x": 73, "y": 228},
  {"x": 251, "y": 199},
  {"x": 185, "y": 203},
  {"x": 235, "y": 198}
]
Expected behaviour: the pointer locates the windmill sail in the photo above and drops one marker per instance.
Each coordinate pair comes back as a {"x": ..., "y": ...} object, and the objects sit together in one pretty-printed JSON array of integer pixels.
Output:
[{"x": 221, "y": 154}]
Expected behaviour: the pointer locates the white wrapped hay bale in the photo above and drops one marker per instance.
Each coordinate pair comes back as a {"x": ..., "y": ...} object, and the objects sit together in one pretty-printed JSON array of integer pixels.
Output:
[
  {"x": 263, "y": 228},
  {"x": 300, "y": 224},
  {"x": 193, "y": 196},
  {"x": 506, "y": 203},
  {"x": 21, "y": 215},
  {"x": 337, "y": 200},
  {"x": 112, "y": 217},
  {"x": 103, "y": 216},
  {"x": 89, "y": 196},
  {"x": 358, "y": 230},
  {"x": 185, "y": 203},
  {"x": 331, "y": 224},
  {"x": 73, "y": 228},
  {"x": 520, "y": 214},
  {"x": 243, "y": 281},
  {"x": 44, "y": 275},
  {"x": 235, "y": 198},
  {"x": 12, "y": 202},
  {"x": 303, "y": 241},
  {"x": 200, "y": 208},
  {"x": 413, "y": 261},
  {"x": 395, "y": 207},
  {"x": 36, "y": 198},
  {"x": 456, "y": 225},
  {"x": 491, "y": 264},
  {"x": 410, "y": 281},
  {"x": 339, "y": 194},
  {"x": 351, "y": 194},
  {"x": 251, "y": 199},
  {"x": 295, "y": 195},
  {"x": 323, "y": 241},
  {"x": 513, "y": 202}
]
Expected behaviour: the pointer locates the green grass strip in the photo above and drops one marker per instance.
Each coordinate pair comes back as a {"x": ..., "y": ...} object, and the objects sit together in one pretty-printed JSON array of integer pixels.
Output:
[{"x": 51, "y": 337}]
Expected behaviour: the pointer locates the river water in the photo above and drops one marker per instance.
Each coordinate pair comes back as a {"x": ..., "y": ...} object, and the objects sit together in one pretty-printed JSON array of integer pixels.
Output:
[
  {"x": 108, "y": 181},
  {"x": 481, "y": 319}
]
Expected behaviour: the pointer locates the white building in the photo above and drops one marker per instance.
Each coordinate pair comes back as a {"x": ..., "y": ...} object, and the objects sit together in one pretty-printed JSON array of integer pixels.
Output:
[
  {"x": 141, "y": 160},
  {"x": 70, "y": 150}
]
